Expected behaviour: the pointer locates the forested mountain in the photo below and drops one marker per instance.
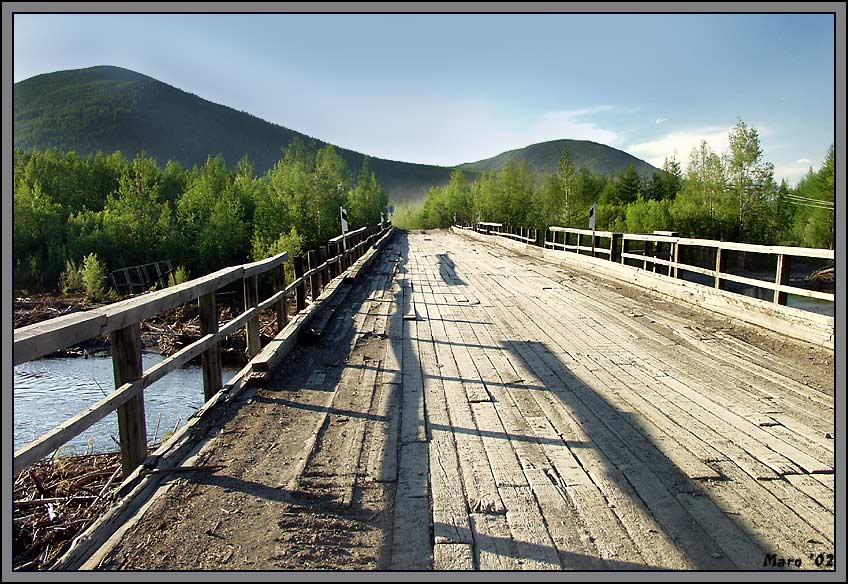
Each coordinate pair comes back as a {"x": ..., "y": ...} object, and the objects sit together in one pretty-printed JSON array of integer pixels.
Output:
[
  {"x": 543, "y": 158},
  {"x": 109, "y": 108}
]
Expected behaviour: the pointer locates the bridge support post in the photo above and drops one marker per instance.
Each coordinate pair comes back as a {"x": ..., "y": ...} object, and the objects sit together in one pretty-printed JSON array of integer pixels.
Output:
[
  {"x": 251, "y": 329},
  {"x": 781, "y": 278},
  {"x": 126, "y": 364},
  {"x": 211, "y": 357},
  {"x": 300, "y": 289}
]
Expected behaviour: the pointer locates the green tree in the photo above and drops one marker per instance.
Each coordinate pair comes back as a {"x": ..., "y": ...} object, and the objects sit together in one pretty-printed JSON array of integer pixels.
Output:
[
  {"x": 703, "y": 207},
  {"x": 135, "y": 220},
  {"x": 38, "y": 236},
  {"x": 367, "y": 199},
  {"x": 751, "y": 180}
]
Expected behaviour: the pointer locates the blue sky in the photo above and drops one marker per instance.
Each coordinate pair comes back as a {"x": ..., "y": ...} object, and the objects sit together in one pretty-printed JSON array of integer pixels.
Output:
[{"x": 446, "y": 89}]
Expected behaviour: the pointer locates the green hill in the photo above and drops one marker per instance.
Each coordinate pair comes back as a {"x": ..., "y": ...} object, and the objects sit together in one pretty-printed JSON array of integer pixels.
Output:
[
  {"x": 544, "y": 158},
  {"x": 109, "y": 108}
]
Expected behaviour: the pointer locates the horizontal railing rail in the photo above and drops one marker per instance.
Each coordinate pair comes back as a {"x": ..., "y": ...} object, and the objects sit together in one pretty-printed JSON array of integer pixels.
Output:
[
  {"x": 671, "y": 260},
  {"x": 121, "y": 321},
  {"x": 663, "y": 249},
  {"x": 594, "y": 237}
]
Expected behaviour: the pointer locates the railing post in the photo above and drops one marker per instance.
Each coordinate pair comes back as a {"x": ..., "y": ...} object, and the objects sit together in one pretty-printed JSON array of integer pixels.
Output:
[
  {"x": 126, "y": 364},
  {"x": 332, "y": 251},
  {"x": 323, "y": 256},
  {"x": 251, "y": 329},
  {"x": 646, "y": 246},
  {"x": 614, "y": 254},
  {"x": 676, "y": 258},
  {"x": 300, "y": 289},
  {"x": 211, "y": 358},
  {"x": 281, "y": 307},
  {"x": 311, "y": 264},
  {"x": 718, "y": 268},
  {"x": 781, "y": 278}
]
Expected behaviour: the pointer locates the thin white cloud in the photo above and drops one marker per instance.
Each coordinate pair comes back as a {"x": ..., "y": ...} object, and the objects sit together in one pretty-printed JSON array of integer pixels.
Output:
[
  {"x": 803, "y": 161},
  {"x": 680, "y": 143},
  {"x": 661, "y": 120},
  {"x": 434, "y": 130},
  {"x": 791, "y": 172}
]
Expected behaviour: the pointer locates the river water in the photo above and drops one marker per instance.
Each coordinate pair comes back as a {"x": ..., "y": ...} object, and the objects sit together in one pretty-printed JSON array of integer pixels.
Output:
[{"x": 49, "y": 391}]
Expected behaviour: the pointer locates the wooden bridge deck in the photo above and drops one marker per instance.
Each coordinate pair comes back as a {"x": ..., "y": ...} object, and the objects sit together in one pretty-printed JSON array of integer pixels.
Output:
[{"x": 467, "y": 407}]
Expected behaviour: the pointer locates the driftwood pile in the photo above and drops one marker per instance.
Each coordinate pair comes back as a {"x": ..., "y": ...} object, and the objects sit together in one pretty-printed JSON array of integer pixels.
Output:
[
  {"x": 55, "y": 500},
  {"x": 180, "y": 327}
]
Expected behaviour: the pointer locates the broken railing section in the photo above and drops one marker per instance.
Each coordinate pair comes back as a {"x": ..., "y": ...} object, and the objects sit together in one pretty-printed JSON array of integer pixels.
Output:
[
  {"x": 140, "y": 278},
  {"x": 660, "y": 252},
  {"x": 121, "y": 321}
]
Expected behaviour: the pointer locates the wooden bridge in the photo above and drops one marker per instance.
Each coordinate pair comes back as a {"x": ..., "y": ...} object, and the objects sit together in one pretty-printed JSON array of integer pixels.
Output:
[{"x": 474, "y": 400}]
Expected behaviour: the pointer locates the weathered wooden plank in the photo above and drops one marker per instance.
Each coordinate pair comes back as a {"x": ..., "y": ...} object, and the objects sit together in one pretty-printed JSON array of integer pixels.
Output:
[
  {"x": 567, "y": 529},
  {"x": 502, "y": 458},
  {"x": 493, "y": 545},
  {"x": 815, "y": 490},
  {"x": 265, "y": 265},
  {"x": 43, "y": 338},
  {"x": 536, "y": 550},
  {"x": 453, "y": 556},
  {"x": 412, "y": 548}
]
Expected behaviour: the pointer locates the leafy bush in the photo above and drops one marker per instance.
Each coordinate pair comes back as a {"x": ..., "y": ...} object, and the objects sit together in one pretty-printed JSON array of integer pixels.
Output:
[
  {"x": 71, "y": 279},
  {"x": 181, "y": 275},
  {"x": 94, "y": 278}
]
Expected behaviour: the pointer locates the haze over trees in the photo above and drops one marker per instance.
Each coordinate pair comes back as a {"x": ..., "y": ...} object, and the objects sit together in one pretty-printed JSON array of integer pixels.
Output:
[
  {"x": 204, "y": 218},
  {"x": 731, "y": 197}
]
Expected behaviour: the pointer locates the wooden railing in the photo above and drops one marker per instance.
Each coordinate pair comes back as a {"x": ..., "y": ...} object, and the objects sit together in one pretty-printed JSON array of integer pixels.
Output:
[
  {"x": 580, "y": 235},
  {"x": 488, "y": 228},
  {"x": 663, "y": 249},
  {"x": 652, "y": 255},
  {"x": 121, "y": 321}
]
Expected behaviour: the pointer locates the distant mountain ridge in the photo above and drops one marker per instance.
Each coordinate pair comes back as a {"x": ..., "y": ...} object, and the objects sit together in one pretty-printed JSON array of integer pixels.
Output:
[
  {"x": 109, "y": 108},
  {"x": 544, "y": 158}
]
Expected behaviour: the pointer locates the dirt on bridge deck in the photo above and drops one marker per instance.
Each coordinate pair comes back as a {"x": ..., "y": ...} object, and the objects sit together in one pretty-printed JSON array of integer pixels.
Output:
[{"x": 471, "y": 408}]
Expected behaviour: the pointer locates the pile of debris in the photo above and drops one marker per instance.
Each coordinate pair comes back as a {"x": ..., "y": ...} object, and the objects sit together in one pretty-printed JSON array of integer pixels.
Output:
[{"x": 55, "y": 500}]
